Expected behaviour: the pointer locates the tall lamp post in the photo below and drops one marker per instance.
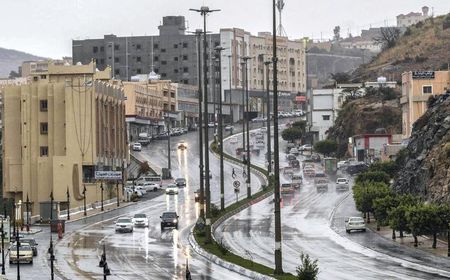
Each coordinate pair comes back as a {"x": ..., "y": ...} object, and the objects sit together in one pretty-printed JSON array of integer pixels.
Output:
[
  {"x": 27, "y": 209},
  {"x": 269, "y": 148},
  {"x": 222, "y": 179},
  {"x": 101, "y": 195},
  {"x": 50, "y": 250},
  {"x": 229, "y": 70},
  {"x": 17, "y": 239},
  {"x": 204, "y": 11},
  {"x": 68, "y": 203},
  {"x": 3, "y": 239},
  {"x": 246, "y": 120},
  {"x": 243, "y": 107},
  {"x": 84, "y": 200},
  {"x": 169, "y": 162},
  {"x": 278, "y": 254}
]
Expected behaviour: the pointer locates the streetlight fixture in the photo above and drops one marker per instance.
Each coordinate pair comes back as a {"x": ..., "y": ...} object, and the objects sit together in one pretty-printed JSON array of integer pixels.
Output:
[
  {"x": 246, "y": 120},
  {"x": 278, "y": 254},
  {"x": 269, "y": 148},
  {"x": 219, "y": 50},
  {"x": 204, "y": 11}
]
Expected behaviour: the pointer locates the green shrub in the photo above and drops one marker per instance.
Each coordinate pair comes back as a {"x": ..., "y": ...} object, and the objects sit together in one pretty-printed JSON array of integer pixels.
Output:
[
  {"x": 373, "y": 176},
  {"x": 215, "y": 211},
  {"x": 308, "y": 269}
]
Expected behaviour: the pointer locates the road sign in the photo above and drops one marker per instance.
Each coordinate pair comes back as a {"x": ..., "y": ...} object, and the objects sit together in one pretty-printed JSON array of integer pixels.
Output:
[
  {"x": 108, "y": 175},
  {"x": 236, "y": 184}
]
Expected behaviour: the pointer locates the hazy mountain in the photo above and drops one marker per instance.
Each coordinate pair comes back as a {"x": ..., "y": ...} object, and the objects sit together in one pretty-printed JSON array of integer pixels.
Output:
[{"x": 10, "y": 60}]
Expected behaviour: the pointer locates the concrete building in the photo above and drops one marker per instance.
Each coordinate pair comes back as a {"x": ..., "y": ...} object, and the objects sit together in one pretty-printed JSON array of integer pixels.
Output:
[
  {"x": 187, "y": 104},
  {"x": 30, "y": 68},
  {"x": 368, "y": 147},
  {"x": 412, "y": 18},
  {"x": 58, "y": 130},
  {"x": 417, "y": 87},
  {"x": 324, "y": 107},
  {"x": 172, "y": 54}
]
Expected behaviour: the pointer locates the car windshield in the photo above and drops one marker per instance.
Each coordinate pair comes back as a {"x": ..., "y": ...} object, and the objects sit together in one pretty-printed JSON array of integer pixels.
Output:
[
  {"x": 342, "y": 180},
  {"x": 21, "y": 248},
  {"x": 180, "y": 179},
  {"x": 356, "y": 220},
  {"x": 169, "y": 215},
  {"x": 124, "y": 220},
  {"x": 29, "y": 241},
  {"x": 140, "y": 216}
]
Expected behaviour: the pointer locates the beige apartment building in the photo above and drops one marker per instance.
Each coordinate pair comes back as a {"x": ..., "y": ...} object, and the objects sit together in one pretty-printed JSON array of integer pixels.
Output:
[
  {"x": 58, "y": 130},
  {"x": 417, "y": 87},
  {"x": 30, "y": 68}
]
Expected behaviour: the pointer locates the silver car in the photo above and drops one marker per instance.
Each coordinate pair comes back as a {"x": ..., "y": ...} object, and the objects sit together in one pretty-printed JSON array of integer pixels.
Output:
[
  {"x": 355, "y": 223},
  {"x": 124, "y": 225}
]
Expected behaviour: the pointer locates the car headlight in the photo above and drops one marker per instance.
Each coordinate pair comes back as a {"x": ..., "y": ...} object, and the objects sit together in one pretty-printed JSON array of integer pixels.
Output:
[{"x": 175, "y": 220}]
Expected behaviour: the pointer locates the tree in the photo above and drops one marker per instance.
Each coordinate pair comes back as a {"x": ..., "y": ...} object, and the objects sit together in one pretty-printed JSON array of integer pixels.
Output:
[
  {"x": 381, "y": 206},
  {"x": 326, "y": 147},
  {"x": 389, "y": 167},
  {"x": 374, "y": 176},
  {"x": 446, "y": 23},
  {"x": 388, "y": 37},
  {"x": 13, "y": 74},
  {"x": 337, "y": 33},
  {"x": 340, "y": 77},
  {"x": 291, "y": 134},
  {"x": 397, "y": 215},
  {"x": 144, "y": 168},
  {"x": 308, "y": 269},
  {"x": 366, "y": 192},
  {"x": 300, "y": 125}
]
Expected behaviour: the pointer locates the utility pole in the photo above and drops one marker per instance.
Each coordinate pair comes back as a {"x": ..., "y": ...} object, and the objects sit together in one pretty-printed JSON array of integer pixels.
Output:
[
  {"x": 84, "y": 199},
  {"x": 50, "y": 250},
  {"x": 101, "y": 195},
  {"x": 3, "y": 240},
  {"x": 222, "y": 178},
  {"x": 243, "y": 109},
  {"x": 229, "y": 69},
  {"x": 204, "y": 11},
  {"x": 278, "y": 254},
  {"x": 269, "y": 148},
  {"x": 169, "y": 162},
  {"x": 247, "y": 121},
  {"x": 68, "y": 204},
  {"x": 27, "y": 209}
]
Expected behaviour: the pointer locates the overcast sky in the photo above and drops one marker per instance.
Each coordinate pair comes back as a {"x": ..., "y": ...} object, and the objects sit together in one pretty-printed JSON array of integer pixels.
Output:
[{"x": 46, "y": 27}]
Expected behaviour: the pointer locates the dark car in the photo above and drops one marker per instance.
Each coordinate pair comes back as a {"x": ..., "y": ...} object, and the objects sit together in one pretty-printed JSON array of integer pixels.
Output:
[
  {"x": 180, "y": 182},
  {"x": 169, "y": 219},
  {"x": 357, "y": 168},
  {"x": 32, "y": 243}
]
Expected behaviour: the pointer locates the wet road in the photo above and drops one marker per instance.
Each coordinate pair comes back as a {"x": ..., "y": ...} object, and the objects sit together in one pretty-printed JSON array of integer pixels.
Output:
[
  {"x": 308, "y": 227},
  {"x": 148, "y": 253}
]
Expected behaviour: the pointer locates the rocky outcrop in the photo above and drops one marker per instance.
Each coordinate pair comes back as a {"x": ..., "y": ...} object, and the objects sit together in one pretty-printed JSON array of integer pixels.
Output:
[{"x": 426, "y": 161}]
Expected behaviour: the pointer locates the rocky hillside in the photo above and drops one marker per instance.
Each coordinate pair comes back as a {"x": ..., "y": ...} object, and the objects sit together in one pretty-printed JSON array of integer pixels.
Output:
[
  {"x": 426, "y": 169},
  {"x": 365, "y": 115},
  {"x": 424, "y": 46},
  {"x": 10, "y": 60}
]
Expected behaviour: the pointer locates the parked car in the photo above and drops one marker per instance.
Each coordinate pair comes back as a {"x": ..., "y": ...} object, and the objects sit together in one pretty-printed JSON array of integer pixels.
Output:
[
  {"x": 356, "y": 168},
  {"x": 355, "y": 223},
  {"x": 124, "y": 224},
  {"x": 259, "y": 119},
  {"x": 32, "y": 244},
  {"x": 25, "y": 254},
  {"x": 141, "y": 189},
  {"x": 229, "y": 128},
  {"x": 342, "y": 164},
  {"x": 137, "y": 147},
  {"x": 287, "y": 188},
  {"x": 140, "y": 220},
  {"x": 342, "y": 184},
  {"x": 151, "y": 186},
  {"x": 172, "y": 189},
  {"x": 169, "y": 219},
  {"x": 306, "y": 147},
  {"x": 210, "y": 124},
  {"x": 180, "y": 182},
  {"x": 182, "y": 145}
]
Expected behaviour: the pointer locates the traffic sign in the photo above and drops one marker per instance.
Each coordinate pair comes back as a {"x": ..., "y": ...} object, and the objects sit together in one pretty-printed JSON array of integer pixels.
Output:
[{"x": 236, "y": 184}]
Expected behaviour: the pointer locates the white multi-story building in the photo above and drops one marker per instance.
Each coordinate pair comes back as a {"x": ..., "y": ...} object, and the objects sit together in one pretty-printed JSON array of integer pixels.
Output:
[
  {"x": 404, "y": 21},
  {"x": 324, "y": 107}
]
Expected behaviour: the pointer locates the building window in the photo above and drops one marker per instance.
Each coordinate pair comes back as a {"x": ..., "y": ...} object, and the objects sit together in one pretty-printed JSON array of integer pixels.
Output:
[
  {"x": 155, "y": 46},
  {"x": 427, "y": 89},
  {"x": 95, "y": 49},
  {"x": 165, "y": 93},
  {"x": 139, "y": 71},
  {"x": 116, "y": 59},
  {"x": 43, "y": 77},
  {"x": 163, "y": 62},
  {"x": 44, "y": 128},
  {"x": 43, "y": 105},
  {"x": 102, "y": 61},
  {"x": 175, "y": 71},
  {"x": 117, "y": 72},
  {"x": 156, "y": 58},
  {"x": 172, "y": 108},
  {"x": 185, "y": 82},
  {"x": 138, "y": 59},
  {"x": 116, "y": 47},
  {"x": 185, "y": 69},
  {"x": 216, "y": 44},
  {"x": 163, "y": 50},
  {"x": 44, "y": 151},
  {"x": 185, "y": 45},
  {"x": 102, "y": 49},
  {"x": 185, "y": 57},
  {"x": 88, "y": 173},
  {"x": 175, "y": 46},
  {"x": 138, "y": 46},
  {"x": 163, "y": 75},
  {"x": 175, "y": 58},
  {"x": 172, "y": 94},
  {"x": 326, "y": 117}
]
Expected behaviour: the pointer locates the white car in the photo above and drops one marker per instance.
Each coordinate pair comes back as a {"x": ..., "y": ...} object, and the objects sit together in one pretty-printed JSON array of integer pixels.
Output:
[
  {"x": 342, "y": 164},
  {"x": 229, "y": 128},
  {"x": 137, "y": 147},
  {"x": 172, "y": 189},
  {"x": 151, "y": 186},
  {"x": 306, "y": 147},
  {"x": 140, "y": 220},
  {"x": 124, "y": 224},
  {"x": 141, "y": 189},
  {"x": 263, "y": 129},
  {"x": 234, "y": 140},
  {"x": 355, "y": 223},
  {"x": 294, "y": 151},
  {"x": 341, "y": 184}
]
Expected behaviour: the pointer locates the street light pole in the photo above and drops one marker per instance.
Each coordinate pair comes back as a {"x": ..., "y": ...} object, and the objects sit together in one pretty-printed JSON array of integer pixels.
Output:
[
  {"x": 278, "y": 254},
  {"x": 246, "y": 119},
  {"x": 243, "y": 108},
  {"x": 27, "y": 206},
  {"x": 229, "y": 69},
  {"x": 84, "y": 199},
  {"x": 52, "y": 256},
  {"x": 222, "y": 178},
  {"x": 101, "y": 195},
  {"x": 269, "y": 148},
  {"x": 3, "y": 242},
  {"x": 204, "y": 11},
  {"x": 68, "y": 204},
  {"x": 169, "y": 162}
]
